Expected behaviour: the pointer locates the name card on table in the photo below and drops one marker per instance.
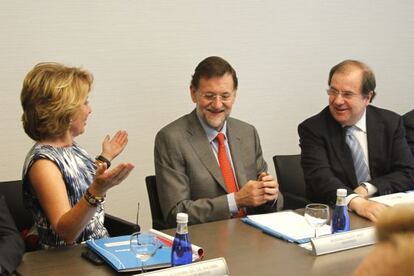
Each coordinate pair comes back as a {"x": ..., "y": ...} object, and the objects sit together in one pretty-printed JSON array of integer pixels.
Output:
[
  {"x": 343, "y": 241},
  {"x": 213, "y": 267}
]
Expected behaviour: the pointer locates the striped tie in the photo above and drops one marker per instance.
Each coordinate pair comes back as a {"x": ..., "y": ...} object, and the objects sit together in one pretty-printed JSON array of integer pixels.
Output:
[
  {"x": 226, "y": 169},
  {"x": 361, "y": 168}
]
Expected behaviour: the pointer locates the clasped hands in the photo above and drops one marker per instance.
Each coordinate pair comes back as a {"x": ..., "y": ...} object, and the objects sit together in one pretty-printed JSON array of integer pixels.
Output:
[{"x": 257, "y": 192}]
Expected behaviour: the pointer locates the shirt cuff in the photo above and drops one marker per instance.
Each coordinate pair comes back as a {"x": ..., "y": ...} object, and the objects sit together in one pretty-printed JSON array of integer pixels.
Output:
[
  {"x": 232, "y": 203},
  {"x": 350, "y": 197},
  {"x": 371, "y": 189}
]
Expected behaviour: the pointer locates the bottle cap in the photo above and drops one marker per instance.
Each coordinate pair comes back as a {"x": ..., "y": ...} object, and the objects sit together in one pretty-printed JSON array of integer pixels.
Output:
[
  {"x": 182, "y": 218},
  {"x": 341, "y": 192}
]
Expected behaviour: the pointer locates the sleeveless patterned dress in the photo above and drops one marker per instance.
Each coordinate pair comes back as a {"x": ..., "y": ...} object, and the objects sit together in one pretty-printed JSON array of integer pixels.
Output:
[{"x": 78, "y": 171}]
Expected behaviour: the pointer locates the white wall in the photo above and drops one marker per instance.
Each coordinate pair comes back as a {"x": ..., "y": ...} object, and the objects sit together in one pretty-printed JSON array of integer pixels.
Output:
[{"x": 142, "y": 54}]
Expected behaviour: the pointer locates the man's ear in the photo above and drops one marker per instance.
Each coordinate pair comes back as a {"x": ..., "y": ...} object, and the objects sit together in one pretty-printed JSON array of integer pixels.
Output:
[
  {"x": 369, "y": 97},
  {"x": 193, "y": 93}
]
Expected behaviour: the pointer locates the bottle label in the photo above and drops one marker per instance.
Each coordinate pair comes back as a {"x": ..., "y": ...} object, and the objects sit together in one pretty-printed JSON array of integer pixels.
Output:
[
  {"x": 340, "y": 201},
  {"x": 182, "y": 229}
]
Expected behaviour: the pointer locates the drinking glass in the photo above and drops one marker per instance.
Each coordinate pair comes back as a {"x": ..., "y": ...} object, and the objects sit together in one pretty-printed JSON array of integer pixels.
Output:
[
  {"x": 316, "y": 215},
  {"x": 144, "y": 245}
]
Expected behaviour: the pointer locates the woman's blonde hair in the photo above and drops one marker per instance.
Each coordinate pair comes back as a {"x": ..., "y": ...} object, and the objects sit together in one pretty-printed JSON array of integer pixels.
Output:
[{"x": 51, "y": 96}]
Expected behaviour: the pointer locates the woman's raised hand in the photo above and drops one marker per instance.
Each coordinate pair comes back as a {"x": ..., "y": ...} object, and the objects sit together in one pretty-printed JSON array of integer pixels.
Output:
[
  {"x": 111, "y": 148},
  {"x": 106, "y": 179}
]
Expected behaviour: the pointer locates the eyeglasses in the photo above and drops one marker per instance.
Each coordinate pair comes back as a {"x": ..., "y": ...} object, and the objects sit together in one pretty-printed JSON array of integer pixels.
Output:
[
  {"x": 344, "y": 94},
  {"x": 225, "y": 97}
]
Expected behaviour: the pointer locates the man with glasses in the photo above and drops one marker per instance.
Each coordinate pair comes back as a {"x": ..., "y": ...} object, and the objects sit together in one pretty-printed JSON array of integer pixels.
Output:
[
  {"x": 353, "y": 145},
  {"x": 208, "y": 164}
]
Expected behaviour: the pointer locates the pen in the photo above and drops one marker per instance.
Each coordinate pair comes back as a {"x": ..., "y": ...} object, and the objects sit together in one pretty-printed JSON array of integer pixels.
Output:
[{"x": 261, "y": 175}]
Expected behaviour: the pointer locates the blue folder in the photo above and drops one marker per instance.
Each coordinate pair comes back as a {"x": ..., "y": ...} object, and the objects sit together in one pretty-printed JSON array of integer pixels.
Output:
[{"x": 116, "y": 252}]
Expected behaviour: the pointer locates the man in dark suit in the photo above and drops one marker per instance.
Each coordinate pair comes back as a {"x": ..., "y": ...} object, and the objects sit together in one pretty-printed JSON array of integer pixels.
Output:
[
  {"x": 328, "y": 161},
  {"x": 408, "y": 119},
  {"x": 193, "y": 175},
  {"x": 11, "y": 244}
]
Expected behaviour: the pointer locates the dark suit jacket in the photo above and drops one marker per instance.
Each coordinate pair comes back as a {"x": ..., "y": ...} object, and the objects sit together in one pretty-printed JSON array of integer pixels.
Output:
[
  {"x": 327, "y": 160},
  {"x": 409, "y": 129},
  {"x": 188, "y": 175},
  {"x": 11, "y": 244}
]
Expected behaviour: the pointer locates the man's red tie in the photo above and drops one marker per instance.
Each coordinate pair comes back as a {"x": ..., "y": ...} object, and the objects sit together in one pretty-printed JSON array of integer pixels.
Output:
[{"x": 226, "y": 169}]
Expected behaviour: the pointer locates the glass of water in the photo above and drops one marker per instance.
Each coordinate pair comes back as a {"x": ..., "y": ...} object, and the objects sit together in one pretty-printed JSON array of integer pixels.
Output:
[
  {"x": 316, "y": 215},
  {"x": 144, "y": 245}
]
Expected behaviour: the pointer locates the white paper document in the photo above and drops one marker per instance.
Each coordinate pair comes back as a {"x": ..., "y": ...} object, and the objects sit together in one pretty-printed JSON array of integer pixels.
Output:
[
  {"x": 287, "y": 225},
  {"x": 393, "y": 199}
]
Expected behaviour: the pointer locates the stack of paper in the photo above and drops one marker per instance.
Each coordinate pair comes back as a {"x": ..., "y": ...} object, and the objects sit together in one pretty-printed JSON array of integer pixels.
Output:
[
  {"x": 393, "y": 199},
  {"x": 286, "y": 225}
]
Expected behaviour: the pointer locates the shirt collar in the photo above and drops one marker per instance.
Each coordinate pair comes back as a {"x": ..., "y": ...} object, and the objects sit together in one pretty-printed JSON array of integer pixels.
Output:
[
  {"x": 362, "y": 123},
  {"x": 211, "y": 132}
]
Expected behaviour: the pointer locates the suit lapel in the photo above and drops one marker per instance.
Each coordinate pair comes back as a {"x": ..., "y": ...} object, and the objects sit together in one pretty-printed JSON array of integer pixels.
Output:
[
  {"x": 375, "y": 138},
  {"x": 197, "y": 138},
  {"x": 236, "y": 154}
]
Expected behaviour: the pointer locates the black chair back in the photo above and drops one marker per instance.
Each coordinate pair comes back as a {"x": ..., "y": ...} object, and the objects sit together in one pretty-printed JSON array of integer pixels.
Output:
[
  {"x": 156, "y": 213},
  {"x": 291, "y": 181},
  {"x": 118, "y": 227},
  {"x": 13, "y": 192}
]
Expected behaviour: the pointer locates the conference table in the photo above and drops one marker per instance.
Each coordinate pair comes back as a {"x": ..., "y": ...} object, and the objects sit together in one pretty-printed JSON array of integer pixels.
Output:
[{"x": 247, "y": 251}]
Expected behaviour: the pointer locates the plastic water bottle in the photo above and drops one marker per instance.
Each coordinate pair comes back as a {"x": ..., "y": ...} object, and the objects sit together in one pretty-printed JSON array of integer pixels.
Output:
[
  {"x": 181, "y": 253},
  {"x": 340, "y": 218}
]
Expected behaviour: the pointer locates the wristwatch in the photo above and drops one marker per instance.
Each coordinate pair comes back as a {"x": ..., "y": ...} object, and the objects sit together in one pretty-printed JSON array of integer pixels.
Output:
[
  {"x": 92, "y": 200},
  {"x": 363, "y": 185},
  {"x": 102, "y": 159}
]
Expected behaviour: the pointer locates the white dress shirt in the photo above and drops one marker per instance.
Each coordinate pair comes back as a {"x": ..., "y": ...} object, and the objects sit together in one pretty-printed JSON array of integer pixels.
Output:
[{"x": 360, "y": 133}]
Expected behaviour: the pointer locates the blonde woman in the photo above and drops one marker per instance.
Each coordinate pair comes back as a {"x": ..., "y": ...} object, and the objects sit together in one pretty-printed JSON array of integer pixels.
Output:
[{"x": 62, "y": 186}]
